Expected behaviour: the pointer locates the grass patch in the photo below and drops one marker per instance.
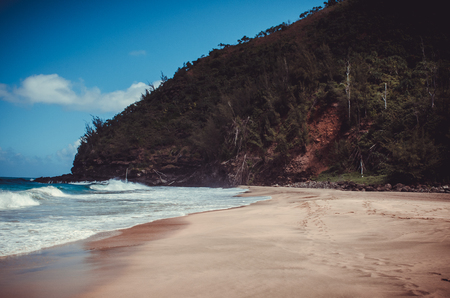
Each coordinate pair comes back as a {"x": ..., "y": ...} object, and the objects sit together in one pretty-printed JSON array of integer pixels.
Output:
[{"x": 353, "y": 176}]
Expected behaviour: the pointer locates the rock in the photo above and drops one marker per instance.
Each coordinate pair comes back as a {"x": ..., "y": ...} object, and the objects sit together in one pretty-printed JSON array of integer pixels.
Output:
[
  {"x": 398, "y": 187},
  {"x": 405, "y": 189}
]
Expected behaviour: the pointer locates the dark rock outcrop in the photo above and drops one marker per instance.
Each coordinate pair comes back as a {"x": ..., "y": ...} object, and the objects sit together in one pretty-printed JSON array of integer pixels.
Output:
[
  {"x": 211, "y": 175},
  {"x": 352, "y": 186}
]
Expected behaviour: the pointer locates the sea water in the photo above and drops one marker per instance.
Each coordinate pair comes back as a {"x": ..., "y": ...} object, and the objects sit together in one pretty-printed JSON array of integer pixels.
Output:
[{"x": 35, "y": 216}]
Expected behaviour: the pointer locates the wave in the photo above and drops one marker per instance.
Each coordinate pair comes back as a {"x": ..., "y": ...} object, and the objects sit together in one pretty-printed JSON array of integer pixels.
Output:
[
  {"x": 47, "y": 192},
  {"x": 83, "y": 183},
  {"x": 27, "y": 198},
  {"x": 13, "y": 200},
  {"x": 118, "y": 186}
]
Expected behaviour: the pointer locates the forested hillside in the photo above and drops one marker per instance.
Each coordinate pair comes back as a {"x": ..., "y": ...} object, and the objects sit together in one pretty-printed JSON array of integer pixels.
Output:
[{"x": 354, "y": 86}]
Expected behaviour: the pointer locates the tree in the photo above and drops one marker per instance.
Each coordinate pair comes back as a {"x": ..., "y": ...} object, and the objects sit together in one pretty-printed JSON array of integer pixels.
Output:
[
  {"x": 385, "y": 96},
  {"x": 98, "y": 124},
  {"x": 431, "y": 69},
  {"x": 244, "y": 39},
  {"x": 331, "y": 2},
  {"x": 347, "y": 87},
  {"x": 431, "y": 73},
  {"x": 164, "y": 78},
  {"x": 414, "y": 158}
]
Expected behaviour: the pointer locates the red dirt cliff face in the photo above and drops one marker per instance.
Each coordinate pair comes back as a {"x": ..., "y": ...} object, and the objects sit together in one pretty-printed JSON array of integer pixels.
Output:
[{"x": 324, "y": 127}]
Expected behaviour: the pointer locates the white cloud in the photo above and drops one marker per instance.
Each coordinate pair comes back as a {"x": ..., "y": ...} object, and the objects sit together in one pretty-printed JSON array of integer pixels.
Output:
[
  {"x": 15, "y": 164},
  {"x": 138, "y": 53},
  {"x": 157, "y": 83},
  {"x": 53, "y": 89},
  {"x": 2, "y": 154},
  {"x": 5, "y": 94},
  {"x": 68, "y": 153}
]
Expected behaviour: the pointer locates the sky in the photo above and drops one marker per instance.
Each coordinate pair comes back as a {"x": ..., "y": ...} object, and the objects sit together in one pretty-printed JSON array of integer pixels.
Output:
[{"x": 63, "y": 62}]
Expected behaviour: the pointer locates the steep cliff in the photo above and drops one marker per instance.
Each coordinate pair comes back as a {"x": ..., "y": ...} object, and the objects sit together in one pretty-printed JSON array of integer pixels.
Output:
[{"x": 355, "y": 85}]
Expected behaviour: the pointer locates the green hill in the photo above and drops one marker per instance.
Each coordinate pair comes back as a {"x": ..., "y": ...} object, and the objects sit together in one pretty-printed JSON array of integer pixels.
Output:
[{"x": 357, "y": 84}]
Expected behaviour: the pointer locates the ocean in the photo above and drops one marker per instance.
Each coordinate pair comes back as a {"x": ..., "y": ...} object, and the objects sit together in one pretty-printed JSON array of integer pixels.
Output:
[{"x": 34, "y": 216}]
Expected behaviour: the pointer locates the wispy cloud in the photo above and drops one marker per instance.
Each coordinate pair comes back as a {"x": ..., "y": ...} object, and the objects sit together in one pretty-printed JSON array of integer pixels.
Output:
[
  {"x": 156, "y": 84},
  {"x": 2, "y": 154},
  {"x": 68, "y": 153},
  {"x": 138, "y": 53},
  {"x": 12, "y": 163},
  {"x": 15, "y": 164},
  {"x": 53, "y": 89}
]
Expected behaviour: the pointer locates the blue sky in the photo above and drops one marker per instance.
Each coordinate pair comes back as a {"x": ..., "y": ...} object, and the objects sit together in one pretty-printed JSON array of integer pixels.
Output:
[{"x": 63, "y": 61}]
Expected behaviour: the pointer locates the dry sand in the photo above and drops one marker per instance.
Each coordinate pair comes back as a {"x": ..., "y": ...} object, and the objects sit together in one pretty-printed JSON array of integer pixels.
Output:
[{"x": 301, "y": 243}]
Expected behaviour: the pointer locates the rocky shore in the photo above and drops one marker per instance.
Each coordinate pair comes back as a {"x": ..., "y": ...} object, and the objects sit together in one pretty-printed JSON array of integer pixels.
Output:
[
  {"x": 352, "y": 186},
  {"x": 209, "y": 181}
]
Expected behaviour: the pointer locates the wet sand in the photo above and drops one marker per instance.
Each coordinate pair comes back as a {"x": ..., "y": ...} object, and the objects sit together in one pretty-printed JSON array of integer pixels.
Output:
[
  {"x": 301, "y": 243},
  {"x": 69, "y": 270}
]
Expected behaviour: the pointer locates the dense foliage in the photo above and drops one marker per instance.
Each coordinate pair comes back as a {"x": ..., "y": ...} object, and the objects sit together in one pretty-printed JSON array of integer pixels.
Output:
[{"x": 386, "y": 66}]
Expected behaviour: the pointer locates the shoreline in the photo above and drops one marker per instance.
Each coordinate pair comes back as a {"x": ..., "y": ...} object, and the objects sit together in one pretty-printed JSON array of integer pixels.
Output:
[
  {"x": 84, "y": 257},
  {"x": 345, "y": 185},
  {"x": 300, "y": 241},
  {"x": 77, "y": 265}
]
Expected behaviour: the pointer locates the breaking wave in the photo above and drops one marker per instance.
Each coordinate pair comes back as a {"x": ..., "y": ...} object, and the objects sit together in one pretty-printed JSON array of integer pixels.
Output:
[
  {"x": 118, "y": 186},
  {"x": 13, "y": 200},
  {"x": 27, "y": 198}
]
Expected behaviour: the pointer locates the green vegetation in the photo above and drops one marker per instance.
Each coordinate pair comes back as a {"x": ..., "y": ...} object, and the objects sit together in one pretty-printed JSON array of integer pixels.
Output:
[
  {"x": 367, "y": 179},
  {"x": 385, "y": 66}
]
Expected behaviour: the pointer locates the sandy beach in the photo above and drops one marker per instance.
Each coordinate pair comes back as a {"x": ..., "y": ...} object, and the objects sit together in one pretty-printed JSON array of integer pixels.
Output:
[{"x": 301, "y": 243}]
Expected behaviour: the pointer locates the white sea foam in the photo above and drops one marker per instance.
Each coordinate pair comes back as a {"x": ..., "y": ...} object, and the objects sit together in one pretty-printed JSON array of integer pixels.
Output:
[
  {"x": 26, "y": 198},
  {"x": 28, "y": 237},
  {"x": 45, "y": 192},
  {"x": 117, "y": 185},
  {"x": 13, "y": 200},
  {"x": 81, "y": 183},
  {"x": 78, "y": 213}
]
